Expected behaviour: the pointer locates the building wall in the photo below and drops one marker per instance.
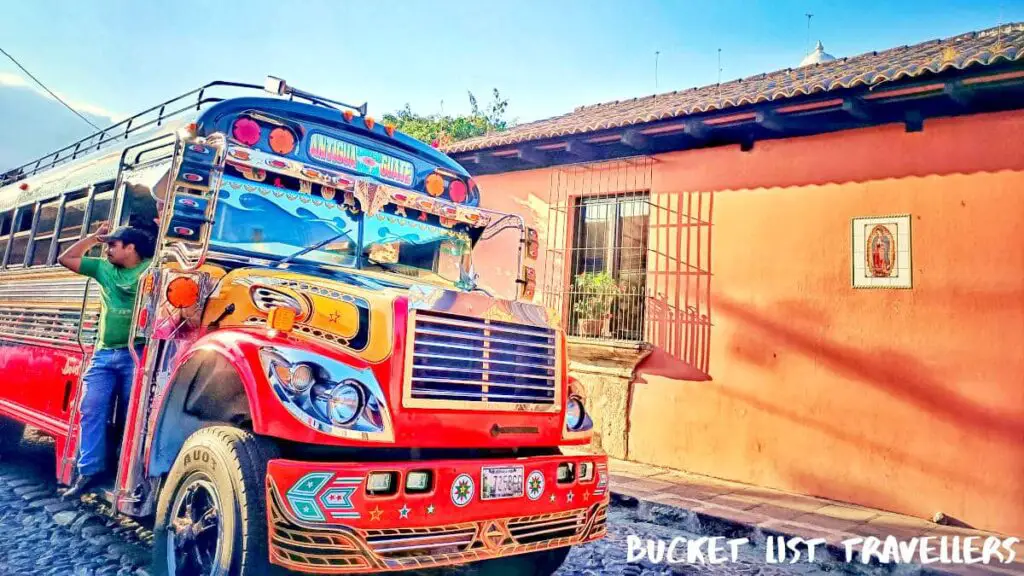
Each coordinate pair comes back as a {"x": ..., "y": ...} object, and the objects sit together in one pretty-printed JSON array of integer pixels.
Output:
[{"x": 910, "y": 400}]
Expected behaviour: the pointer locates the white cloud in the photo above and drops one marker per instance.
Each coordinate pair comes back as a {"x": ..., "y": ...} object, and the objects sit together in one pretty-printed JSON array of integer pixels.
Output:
[{"x": 18, "y": 81}]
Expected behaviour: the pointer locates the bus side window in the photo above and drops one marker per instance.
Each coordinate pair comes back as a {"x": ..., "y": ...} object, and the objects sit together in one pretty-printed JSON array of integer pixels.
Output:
[
  {"x": 43, "y": 237},
  {"x": 100, "y": 213},
  {"x": 6, "y": 221},
  {"x": 21, "y": 237},
  {"x": 72, "y": 220}
]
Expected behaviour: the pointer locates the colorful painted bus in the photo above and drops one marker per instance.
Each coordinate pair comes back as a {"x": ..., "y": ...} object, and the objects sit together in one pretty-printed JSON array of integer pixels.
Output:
[{"x": 326, "y": 384}]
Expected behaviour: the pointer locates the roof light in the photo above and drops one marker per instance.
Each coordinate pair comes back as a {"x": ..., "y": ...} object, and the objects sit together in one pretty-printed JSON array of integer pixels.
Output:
[
  {"x": 246, "y": 131},
  {"x": 434, "y": 185},
  {"x": 282, "y": 141},
  {"x": 347, "y": 115},
  {"x": 390, "y": 129},
  {"x": 369, "y": 121}
]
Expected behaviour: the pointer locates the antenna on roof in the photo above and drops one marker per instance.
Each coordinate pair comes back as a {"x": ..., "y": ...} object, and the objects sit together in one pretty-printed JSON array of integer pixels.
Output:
[
  {"x": 719, "y": 66},
  {"x": 656, "y": 54},
  {"x": 807, "y": 45}
]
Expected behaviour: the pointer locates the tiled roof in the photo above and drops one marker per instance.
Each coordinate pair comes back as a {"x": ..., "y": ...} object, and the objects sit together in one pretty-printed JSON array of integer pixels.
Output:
[{"x": 982, "y": 48}]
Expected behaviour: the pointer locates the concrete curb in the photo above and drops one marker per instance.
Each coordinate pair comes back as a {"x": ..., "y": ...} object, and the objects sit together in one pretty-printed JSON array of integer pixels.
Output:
[{"x": 723, "y": 521}]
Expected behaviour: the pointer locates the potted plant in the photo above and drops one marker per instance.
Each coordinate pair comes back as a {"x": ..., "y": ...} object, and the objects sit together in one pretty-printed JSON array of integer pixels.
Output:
[{"x": 595, "y": 293}]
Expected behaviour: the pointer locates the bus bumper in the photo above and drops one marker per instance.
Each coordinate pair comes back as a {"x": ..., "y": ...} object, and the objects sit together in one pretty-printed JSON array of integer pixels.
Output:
[{"x": 322, "y": 519}]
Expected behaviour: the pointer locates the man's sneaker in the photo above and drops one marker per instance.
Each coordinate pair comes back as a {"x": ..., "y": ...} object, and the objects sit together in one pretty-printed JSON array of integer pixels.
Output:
[{"x": 82, "y": 483}]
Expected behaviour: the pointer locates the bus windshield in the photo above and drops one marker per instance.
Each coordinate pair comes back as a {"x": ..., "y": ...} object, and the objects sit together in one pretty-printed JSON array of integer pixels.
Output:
[{"x": 254, "y": 218}]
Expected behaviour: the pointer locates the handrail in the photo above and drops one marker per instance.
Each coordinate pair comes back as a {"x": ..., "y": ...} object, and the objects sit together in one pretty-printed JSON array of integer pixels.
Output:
[{"x": 121, "y": 130}]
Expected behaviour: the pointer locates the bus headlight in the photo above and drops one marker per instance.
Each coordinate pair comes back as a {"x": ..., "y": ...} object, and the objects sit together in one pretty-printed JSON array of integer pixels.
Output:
[
  {"x": 574, "y": 413},
  {"x": 345, "y": 403},
  {"x": 327, "y": 395}
]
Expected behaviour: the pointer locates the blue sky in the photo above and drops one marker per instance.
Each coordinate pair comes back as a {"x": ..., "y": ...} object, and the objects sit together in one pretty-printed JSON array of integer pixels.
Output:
[{"x": 546, "y": 57}]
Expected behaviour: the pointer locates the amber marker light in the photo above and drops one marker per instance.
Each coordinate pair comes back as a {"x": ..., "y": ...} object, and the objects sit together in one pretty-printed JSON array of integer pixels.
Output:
[
  {"x": 281, "y": 319},
  {"x": 435, "y": 185},
  {"x": 282, "y": 141},
  {"x": 183, "y": 292}
]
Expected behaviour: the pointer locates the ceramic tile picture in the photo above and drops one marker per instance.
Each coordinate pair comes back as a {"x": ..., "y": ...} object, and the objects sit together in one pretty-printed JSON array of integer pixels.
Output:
[{"x": 881, "y": 252}]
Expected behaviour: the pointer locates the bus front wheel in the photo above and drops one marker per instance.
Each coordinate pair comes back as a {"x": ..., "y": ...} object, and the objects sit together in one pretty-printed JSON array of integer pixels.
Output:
[{"x": 211, "y": 516}]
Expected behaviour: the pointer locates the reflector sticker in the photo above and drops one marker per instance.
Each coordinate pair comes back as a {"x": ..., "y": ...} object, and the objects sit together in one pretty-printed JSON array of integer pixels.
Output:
[{"x": 462, "y": 490}]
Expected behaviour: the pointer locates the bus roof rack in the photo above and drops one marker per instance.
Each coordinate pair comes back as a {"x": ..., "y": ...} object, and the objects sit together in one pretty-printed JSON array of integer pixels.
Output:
[{"x": 155, "y": 116}]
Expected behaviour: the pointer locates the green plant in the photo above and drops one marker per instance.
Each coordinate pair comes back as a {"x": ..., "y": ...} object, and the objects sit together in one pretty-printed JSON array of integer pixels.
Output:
[{"x": 595, "y": 293}]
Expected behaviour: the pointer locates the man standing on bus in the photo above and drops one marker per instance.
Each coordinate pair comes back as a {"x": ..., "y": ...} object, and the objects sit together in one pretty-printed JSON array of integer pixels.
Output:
[{"x": 111, "y": 370}]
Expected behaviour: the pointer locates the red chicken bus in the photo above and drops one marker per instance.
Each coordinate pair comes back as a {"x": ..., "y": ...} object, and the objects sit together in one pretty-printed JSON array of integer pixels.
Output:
[{"x": 325, "y": 385}]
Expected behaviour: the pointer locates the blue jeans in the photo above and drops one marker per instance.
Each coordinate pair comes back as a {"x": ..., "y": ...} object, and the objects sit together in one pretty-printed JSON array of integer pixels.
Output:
[{"x": 109, "y": 376}]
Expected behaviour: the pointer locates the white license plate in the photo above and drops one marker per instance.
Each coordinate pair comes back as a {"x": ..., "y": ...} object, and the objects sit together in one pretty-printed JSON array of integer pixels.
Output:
[{"x": 497, "y": 482}]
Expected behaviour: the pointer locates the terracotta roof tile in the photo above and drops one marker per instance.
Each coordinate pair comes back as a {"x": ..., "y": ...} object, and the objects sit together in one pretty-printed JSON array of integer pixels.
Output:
[{"x": 982, "y": 48}]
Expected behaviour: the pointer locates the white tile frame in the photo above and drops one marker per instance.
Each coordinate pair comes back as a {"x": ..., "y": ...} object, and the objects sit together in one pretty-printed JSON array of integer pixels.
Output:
[{"x": 904, "y": 265}]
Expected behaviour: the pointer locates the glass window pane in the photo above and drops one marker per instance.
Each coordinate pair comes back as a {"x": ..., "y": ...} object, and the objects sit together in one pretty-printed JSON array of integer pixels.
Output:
[
  {"x": 18, "y": 247},
  {"x": 100, "y": 211},
  {"x": 41, "y": 251},
  {"x": 71, "y": 223},
  {"x": 23, "y": 220},
  {"x": 47, "y": 217},
  {"x": 5, "y": 223}
]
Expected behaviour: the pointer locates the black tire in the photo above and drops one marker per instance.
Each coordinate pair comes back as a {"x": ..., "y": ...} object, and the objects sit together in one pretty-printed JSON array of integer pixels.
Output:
[
  {"x": 226, "y": 466},
  {"x": 541, "y": 563}
]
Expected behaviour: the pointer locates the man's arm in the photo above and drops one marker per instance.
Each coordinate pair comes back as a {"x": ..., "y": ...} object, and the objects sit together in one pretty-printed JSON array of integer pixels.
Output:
[{"x": 72, "y": 257}]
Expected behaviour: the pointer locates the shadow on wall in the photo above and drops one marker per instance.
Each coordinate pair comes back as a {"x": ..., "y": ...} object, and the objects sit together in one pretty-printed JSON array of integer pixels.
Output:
[
  {"x": 902, "y": 376},
  {"x": 977, "y": 487}
]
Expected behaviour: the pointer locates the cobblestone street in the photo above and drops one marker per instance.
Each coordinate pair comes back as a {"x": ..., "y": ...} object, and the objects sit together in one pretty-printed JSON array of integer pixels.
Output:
[{"x": 43, "y": 535}]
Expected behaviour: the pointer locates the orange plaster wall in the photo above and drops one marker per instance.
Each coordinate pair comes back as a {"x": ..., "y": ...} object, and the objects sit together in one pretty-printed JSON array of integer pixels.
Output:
[{"x": 906, "y": 400}]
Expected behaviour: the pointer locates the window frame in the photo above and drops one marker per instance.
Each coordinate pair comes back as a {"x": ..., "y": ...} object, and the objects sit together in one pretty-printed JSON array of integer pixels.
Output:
[
  {"x": 49, "y": 236},
  {"x": 613, "y": 256},
  {"x": 16, "y": 235},
  {"x": 10, "y": 233}
]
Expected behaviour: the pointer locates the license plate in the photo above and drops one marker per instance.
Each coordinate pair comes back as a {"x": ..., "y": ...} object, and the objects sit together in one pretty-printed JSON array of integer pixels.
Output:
[{"x": 497, "y": 482}]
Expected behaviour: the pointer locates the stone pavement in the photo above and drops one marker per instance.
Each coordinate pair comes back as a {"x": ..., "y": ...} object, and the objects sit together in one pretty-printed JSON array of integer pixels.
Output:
[{"x": 740, "y": 510}]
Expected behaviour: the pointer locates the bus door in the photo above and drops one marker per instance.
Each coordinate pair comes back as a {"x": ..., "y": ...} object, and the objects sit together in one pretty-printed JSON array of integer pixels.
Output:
[{"x": 169, "y": 304}]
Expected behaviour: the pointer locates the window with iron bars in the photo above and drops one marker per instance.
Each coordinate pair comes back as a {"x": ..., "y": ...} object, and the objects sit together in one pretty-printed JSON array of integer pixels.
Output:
[
  {"x": 628, "y": 262},
  {"x": 608, "y": 267}
]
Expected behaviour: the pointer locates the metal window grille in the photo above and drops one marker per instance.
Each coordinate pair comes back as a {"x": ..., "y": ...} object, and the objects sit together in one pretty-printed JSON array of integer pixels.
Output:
[{"x": 607, "y": 225}]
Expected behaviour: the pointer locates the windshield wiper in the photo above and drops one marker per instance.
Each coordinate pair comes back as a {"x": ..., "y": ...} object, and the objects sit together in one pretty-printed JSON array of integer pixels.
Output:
[{"x": 309, "y": 249}]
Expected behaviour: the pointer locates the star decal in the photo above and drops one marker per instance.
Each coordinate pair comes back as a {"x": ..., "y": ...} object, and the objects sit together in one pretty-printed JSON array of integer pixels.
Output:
[
  {"x": 334, "y": 317},
  {"x": 430, "y": 509},
  {"x": 375, "y": 514},
  {"x": 552, "y": 498},
  {"x": 570, "y": 496},
  {"x": 404, "y": 511},
  {"x": 586, "y": 496}
]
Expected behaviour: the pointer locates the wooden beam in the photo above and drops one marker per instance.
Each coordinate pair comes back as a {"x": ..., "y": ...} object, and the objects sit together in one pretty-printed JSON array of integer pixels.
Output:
[
  {"x": 581, "y": 149},
  {"x": 634, "y": 139},
  {"x": 532, "y": 155},
  {"x": 913, "y": 121},
  {"x": 747, "y": 143},
  {"x": 858, "y": 109}
]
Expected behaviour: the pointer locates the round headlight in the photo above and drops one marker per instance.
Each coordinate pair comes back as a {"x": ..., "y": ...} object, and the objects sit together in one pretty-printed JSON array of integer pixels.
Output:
[
  {"x": 574, "y": 413},
  {"x": 344, "y": 404},
  {"x": 302, "y": 378}
]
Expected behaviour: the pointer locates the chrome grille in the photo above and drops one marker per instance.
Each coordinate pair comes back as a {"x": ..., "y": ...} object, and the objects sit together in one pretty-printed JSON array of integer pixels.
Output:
[
  {"x": 460, "y": 358},
  {"x": 533, "y": 529}
]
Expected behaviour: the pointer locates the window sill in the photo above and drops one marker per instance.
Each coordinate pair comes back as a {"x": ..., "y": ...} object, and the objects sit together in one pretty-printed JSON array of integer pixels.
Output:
[{"x": 612, "y": 357}]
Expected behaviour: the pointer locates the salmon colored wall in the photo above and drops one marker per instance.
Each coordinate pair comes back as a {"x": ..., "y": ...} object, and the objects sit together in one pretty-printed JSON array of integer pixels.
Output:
[{"x": 908, "y": 400}]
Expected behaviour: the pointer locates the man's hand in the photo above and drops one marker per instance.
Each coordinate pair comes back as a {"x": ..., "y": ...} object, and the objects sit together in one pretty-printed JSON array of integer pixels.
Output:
[{"x": 72, "y": 257}]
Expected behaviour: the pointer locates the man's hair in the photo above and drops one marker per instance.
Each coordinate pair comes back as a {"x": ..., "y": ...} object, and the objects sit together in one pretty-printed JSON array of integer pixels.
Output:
[{"x": 143, "y": 240}]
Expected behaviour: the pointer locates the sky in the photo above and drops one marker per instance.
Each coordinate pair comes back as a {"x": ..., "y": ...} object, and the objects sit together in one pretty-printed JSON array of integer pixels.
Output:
[{"x": 117, "y": 57}]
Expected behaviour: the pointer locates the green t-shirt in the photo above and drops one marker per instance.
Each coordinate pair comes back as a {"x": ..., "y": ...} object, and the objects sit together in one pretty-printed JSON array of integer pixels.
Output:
[{"x": 118, "y": 287}]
